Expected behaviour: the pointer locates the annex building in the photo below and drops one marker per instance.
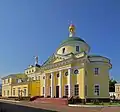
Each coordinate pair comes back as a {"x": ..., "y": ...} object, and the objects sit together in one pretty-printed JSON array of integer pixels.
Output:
[{"x": 70, "y": 71}]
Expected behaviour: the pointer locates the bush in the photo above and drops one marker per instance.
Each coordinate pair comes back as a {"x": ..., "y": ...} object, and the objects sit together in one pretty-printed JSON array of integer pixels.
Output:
[
  {"x": 65, "y": 97},
  {"x": 74, "y": 100},
  {"x": 48, "y": 96},
  {"x": 96, "y": 102}
]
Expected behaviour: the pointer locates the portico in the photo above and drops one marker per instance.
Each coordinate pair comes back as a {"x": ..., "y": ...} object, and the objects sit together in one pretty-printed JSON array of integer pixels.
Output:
[{"x": 54, "y": 83}]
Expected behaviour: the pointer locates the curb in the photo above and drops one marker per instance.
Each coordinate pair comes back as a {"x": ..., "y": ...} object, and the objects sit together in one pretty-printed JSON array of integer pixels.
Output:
[{"x": 70, "y": 105}]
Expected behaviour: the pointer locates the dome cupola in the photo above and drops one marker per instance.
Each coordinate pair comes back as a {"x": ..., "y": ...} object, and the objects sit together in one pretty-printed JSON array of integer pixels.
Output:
[{"x": 72, "y": 44}]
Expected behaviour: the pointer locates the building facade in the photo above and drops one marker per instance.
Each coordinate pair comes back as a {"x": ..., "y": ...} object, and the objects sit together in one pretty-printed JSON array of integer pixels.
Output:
[
  {"x": 117, "y": 90},
  {"x": 70, "y": 71}
]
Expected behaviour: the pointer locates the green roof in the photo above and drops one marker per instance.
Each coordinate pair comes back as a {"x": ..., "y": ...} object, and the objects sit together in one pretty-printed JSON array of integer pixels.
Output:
[
  {"x": 48, "y": 60},
  {"x": 90, "y": 56},
  {"x": 71, "y": 39},
  {"x": 19, "y": 75}
]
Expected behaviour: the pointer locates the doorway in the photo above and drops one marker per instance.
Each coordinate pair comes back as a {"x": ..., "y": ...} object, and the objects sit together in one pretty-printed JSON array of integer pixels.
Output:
[{"x": 57, "y": 91}]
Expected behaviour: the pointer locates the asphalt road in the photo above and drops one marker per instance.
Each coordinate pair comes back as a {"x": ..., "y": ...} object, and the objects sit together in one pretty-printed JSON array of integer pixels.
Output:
[{"x": 6, "y": 107}]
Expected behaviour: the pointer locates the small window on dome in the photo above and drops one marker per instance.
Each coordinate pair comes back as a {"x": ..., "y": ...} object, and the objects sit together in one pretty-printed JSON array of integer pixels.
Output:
[
  {"x": 63, "y": 50},
  {"x": 77, "y": 48}
]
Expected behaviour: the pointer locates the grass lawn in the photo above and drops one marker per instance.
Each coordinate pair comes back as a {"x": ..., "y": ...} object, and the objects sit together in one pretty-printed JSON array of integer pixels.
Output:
[{"x": 105, "y": 104}]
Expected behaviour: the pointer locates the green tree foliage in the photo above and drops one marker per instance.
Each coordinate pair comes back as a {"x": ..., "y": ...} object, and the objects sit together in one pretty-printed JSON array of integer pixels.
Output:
[{"x": 112, "y": 83}]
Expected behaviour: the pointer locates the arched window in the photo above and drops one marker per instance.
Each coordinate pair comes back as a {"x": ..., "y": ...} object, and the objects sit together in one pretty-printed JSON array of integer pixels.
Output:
[{"x": 63, "y": 50}]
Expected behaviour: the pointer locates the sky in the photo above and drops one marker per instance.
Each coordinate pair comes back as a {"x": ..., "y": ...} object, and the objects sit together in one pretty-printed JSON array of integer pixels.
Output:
[{"x": 31, "y": 28}]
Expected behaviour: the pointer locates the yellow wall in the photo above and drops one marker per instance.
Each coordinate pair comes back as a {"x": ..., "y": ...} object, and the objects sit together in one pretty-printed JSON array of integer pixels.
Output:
[
  {"x": 68, "y": 49},
  {"x": 117, "y": 90},
  {"x": 5, "y": 89},
  {"x": 102, "y": 79},
  {"x": 22, "y": 87},
  {"x": 34, "y": 88},
  {"x": 79, "y": 78}
]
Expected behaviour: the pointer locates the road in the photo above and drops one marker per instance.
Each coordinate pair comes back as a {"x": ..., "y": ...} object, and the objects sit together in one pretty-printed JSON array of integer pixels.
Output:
[
  {"x": 6, "y": 107},
  {"x": 10, "y": 106}
]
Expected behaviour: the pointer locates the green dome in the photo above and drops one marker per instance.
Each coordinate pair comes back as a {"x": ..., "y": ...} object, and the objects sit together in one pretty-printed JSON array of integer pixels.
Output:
[{"x": 71, "y": 39}]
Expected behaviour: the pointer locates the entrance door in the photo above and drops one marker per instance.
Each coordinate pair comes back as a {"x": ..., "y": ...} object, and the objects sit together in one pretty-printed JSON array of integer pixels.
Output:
[{"x": 57, "y": 91}]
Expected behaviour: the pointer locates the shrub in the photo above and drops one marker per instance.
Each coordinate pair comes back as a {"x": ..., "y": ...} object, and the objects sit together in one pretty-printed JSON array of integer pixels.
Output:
[
  {"x": 65, "y": 97},
  {"x": 96, "y": 102},
  {"x": 48, "y": 96}
]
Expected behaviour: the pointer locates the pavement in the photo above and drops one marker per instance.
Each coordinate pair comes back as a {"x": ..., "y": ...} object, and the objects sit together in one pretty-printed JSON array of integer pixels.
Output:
[{"x": 13, "y": 106}]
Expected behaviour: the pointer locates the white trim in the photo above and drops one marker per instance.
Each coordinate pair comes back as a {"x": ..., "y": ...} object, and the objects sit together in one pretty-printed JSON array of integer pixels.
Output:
[
  {"x": 44, "y": 85},
  {"x": 69, "y": 82},
  {"x": 60, "y": 87},
  {"x": 58, "y": 69},
  {"x": 52, "y": 85}
]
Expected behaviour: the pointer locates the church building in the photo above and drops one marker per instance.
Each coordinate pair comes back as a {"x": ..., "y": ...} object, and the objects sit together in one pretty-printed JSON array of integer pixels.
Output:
[{"x": 70, "y": 71}]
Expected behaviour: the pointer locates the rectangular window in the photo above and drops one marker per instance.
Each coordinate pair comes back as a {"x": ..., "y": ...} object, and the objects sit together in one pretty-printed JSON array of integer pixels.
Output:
[
  {"x": 96, "y": 71},
  {"x": 43, "y": 90},
  {"x": 85, "y": 90},
  {"x": 66, "y": 90},
  {"x": 4, "y": 93},
  {"x": 77, "y": 48},
  {"x": 24, "y": 91},
  {"x": 8, "y": 93},
  {"x": 97, "y": 90},
  {"x": 13, "y": 91},
  {"x": 76, "y": 90},
  {"x": 18, "y": 91}
]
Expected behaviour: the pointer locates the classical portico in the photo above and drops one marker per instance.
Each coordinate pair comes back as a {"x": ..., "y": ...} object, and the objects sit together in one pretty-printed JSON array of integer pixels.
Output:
[{"x": 57, "y": 83}]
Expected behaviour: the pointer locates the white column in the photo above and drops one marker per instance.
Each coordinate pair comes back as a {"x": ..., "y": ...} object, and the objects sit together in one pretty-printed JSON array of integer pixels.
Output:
[
  {"x": 69, "y": 82},
  {"x": 60, "y": 82},
  {"x": 44, "y": 85},
  {"x": 52, "y": 85}
]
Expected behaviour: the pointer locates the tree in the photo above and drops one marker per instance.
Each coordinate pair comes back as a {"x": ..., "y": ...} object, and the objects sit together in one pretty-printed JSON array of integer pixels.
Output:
[{"x": 112, "y": 83}]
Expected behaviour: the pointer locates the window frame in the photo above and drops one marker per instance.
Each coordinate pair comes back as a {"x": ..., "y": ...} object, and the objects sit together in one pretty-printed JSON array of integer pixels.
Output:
[
  {"x": 86, "y": 90},
  {"x": 76, "y": 89},
  {"x": 96, "y": 71},
  {"x": 25, "y": 91},
  {"x": 97, "y": 92},
  {"x": 14, "y": 91},
  {"x": 77, "y": 49},
  {"x": 4, "y": 93},
  {"x": 66, "y": 88},
  {"x": 19, "y": 91}
]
